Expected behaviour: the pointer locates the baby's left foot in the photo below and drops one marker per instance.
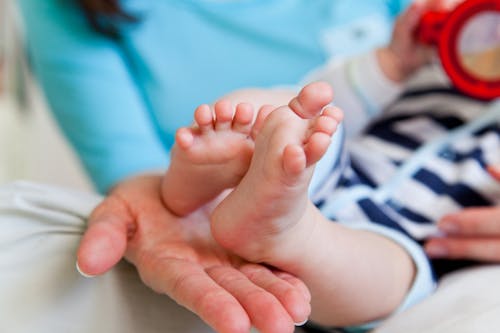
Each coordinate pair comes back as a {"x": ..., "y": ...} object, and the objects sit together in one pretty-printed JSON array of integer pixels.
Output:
[{"x": 209, "y": 157}]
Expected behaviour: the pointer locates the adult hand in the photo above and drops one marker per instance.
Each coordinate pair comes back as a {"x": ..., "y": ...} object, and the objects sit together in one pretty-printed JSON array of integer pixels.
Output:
[
  {"x": 473, "y": 233},
  {"x": 178, "y": 257}
]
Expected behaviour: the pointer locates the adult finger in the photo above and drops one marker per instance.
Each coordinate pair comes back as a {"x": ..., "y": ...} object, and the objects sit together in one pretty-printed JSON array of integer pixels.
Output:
[
  {"x": 189, "y": 285},
  {"x": 484, "y": 221},
  {"x": 481, "y": 249},
  {"x": 296, "y": 282},
  {"x": 265, "y": 311},
  {"x": 105, "y": 240},
  {"x": 291, "y": 296},
  {"x": 495, "y": 172}
]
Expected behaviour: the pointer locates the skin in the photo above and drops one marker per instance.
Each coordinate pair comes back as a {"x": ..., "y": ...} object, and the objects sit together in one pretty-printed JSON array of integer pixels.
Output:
[
  {"x": 473, "y": 233},
  {"x": 288, "y": 231},
  {"x": 403, "y": 56},
  {"x": 214, "y": 154},
  {"x": 179, "y": 257},
  {"x": 134, "y": 223}
]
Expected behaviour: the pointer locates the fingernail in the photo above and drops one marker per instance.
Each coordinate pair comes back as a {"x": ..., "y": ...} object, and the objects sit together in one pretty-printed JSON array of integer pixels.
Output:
[
  {"x": 302, "y": 323},
  {"x": 88, "y": 276},
  {"x": 436, "y": 250},
  {"x": 448, "y": 227}
]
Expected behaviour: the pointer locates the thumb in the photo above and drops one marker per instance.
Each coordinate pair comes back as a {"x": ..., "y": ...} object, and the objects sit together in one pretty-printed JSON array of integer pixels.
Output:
[
  {"x": 105, "y": 241},
  {"x": 411, "y": 18}
]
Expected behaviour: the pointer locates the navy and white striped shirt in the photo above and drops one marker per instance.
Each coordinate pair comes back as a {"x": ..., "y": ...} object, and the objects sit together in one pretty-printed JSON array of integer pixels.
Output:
[{"x": 423, "y": 157}]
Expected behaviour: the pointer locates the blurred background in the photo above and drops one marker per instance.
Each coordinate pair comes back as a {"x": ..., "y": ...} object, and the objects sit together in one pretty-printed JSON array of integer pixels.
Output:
[{"x": 31, "y": 144}]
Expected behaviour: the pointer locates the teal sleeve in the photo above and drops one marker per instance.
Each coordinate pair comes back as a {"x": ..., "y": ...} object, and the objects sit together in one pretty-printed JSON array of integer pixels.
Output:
[
  {"x": 398, "y": 6},
  {"x": 105, "y": 120}
]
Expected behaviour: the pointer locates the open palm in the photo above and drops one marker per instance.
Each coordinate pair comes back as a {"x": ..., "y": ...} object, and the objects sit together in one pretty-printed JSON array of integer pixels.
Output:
[{"x": 178, "y": 257}]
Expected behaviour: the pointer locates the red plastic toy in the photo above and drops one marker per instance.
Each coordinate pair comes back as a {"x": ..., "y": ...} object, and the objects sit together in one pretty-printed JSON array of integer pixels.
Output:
[{"x": 468, "y": 42}]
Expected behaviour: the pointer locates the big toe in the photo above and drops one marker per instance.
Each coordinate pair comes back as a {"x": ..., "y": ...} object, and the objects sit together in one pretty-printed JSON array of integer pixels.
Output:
[{"x": 312, "y": 99}]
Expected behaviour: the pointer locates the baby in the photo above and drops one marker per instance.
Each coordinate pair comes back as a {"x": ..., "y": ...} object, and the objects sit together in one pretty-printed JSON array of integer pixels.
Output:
[
  {"x": 426, "y": 155},
  {"x": 267, "y": 217}
]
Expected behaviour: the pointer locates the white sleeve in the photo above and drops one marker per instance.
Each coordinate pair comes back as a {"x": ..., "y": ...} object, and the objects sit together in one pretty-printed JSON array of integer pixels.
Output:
[{"x": 361, "y": 88}]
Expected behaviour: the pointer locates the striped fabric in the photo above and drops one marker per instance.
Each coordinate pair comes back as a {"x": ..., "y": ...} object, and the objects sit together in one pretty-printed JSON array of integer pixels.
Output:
[{"x": 424, "y": 157}]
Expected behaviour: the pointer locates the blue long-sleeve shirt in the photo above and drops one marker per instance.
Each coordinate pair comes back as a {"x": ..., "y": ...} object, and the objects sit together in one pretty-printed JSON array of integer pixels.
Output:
[{"x": 119, "y": 102}]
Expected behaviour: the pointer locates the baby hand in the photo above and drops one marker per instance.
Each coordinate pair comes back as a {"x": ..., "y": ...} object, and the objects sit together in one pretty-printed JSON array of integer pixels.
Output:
[{"x": 404, "y": 54}]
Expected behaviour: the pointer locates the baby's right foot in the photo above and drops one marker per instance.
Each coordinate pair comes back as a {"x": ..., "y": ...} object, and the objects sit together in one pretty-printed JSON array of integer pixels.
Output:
[
  {"x": 259, "y": 219},
  {"x": 209, "y": 157}
]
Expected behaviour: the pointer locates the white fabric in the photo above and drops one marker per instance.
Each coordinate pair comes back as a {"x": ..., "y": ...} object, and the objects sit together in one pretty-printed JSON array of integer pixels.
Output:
[
  {"x": 371, "y": 84},
  {"x": 41, "y": 291},
  {"x": 466, "y": 301},
  {"x": 360, "y": 87},
  {"x": 362, "y": 91}
]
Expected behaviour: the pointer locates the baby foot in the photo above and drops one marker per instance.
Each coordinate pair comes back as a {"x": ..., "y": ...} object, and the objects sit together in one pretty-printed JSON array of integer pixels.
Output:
[
  {"x": 271, "y": 199},
  {"x": 208, "y": 157}
]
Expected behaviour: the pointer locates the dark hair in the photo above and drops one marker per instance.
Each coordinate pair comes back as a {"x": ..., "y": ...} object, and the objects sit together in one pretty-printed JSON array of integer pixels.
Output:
[{"x": 104, "y": 16}]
